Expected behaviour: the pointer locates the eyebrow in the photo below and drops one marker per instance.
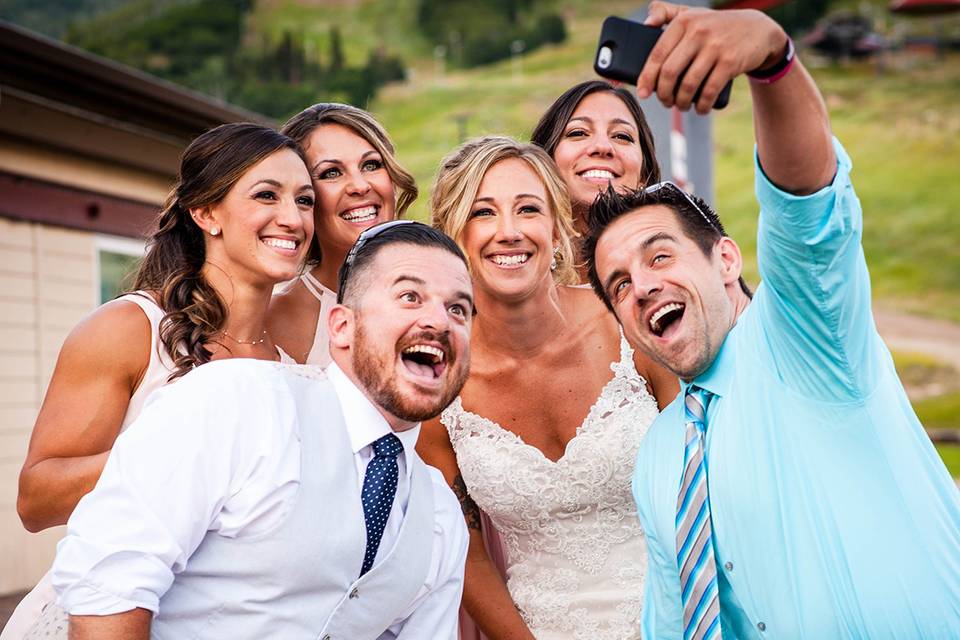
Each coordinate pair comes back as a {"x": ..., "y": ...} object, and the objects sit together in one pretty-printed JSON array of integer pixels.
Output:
[
  {"x": 646, "y": 244},
  {"x": 417, "y": 280},
  {"x": 615, "y": 121},
  {"x": 338, "y": 161},
  {"x": 269, "y": 181},
  {"x": 518, "y": 196}
]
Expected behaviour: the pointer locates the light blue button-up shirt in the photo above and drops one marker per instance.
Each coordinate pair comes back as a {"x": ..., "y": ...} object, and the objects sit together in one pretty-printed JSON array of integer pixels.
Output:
[{"x": 833, "y": 515}]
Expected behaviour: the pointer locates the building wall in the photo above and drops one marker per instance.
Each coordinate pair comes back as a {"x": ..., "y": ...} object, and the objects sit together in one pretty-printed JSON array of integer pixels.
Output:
[{"x": 47, "y": 284}]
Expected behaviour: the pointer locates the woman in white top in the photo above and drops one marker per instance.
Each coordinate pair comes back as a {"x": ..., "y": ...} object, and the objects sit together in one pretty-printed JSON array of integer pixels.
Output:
[
  {"x": 359, "y": 184},
  {"x": 237, "y": 222},
  {"x": 545, "y": 432}
]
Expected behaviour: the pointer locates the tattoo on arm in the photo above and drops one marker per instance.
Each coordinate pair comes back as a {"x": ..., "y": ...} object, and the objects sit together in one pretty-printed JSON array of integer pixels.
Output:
[{"x": 471, "y": 512}]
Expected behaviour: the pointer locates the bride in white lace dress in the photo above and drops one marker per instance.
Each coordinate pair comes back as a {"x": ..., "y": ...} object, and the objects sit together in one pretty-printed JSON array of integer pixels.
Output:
[{"x": 544, "y": 435}]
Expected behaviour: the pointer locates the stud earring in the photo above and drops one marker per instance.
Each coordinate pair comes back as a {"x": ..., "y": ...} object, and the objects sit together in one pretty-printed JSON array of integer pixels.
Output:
[
  {"x": 553, "y": 263},
  {"x": 214, "y": 231}
]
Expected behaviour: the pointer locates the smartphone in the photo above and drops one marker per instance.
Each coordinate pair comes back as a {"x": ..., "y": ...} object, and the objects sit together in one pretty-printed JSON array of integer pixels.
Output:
[{"x": 623, "y": 49}]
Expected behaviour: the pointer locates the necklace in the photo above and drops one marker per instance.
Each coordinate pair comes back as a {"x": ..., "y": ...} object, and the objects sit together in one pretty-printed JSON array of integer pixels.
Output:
[{"x": 263, "y": 338}]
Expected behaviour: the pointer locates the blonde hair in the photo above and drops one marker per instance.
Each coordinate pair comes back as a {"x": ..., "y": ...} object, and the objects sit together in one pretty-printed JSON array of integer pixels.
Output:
[
  {"x": 458, "y": 181},
  {"x": 300, "y": 126}
]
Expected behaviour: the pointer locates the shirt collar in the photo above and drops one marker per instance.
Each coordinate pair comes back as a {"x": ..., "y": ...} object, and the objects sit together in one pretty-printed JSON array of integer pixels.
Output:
[
  {"x": 719, "y": 376},
  {"x": 365, "y": 423}
]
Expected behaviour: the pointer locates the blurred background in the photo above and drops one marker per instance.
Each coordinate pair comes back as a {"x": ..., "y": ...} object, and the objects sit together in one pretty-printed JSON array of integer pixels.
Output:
[{"x": 98, "y": 98}]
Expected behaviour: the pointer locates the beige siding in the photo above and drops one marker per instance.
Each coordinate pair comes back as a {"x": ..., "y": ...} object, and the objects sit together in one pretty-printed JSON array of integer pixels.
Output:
[{"x": 46, "y": 286}]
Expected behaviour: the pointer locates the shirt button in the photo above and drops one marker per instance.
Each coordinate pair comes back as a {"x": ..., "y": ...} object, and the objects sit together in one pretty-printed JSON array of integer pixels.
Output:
[
  {"x": 354, "y": 594},
  {"x": 728, "y": 566},
  {"x": 761, "y": 626},
  {"x": 326, "y": 637}
]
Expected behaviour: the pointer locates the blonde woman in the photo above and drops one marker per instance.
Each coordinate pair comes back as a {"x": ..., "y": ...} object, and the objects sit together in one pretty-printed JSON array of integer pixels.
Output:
[
  {"x": 359, "y": 183},
  {"x": 544, "y": 434}
]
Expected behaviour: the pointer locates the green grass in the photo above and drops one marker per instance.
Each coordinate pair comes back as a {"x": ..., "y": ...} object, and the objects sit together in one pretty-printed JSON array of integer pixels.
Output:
[
  {"x": 950, "y": 454},
  {"x": 940, "y": 412},
  {"x": 902, "y": 130}
]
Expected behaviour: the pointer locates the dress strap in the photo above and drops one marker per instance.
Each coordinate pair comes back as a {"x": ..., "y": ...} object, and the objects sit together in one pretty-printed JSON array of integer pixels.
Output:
[{"x": 314, "y": 286}]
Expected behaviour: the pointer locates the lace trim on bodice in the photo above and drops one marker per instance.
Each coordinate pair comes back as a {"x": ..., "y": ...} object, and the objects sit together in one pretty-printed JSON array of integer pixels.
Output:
[{"x": 569, "y": 527}]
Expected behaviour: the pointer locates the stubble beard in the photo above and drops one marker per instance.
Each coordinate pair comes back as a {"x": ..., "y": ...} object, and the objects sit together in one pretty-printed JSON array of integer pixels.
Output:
[{"x": 379, "y": 380}]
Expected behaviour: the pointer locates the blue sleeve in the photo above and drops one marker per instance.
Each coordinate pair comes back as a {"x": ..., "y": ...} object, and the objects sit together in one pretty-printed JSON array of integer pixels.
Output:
[{"x": 813, "y": 305}]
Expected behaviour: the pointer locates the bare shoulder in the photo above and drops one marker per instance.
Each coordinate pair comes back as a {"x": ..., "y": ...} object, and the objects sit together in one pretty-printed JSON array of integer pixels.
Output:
[
  {"x": 590, "y": 314},
  {"x": 94, "y": 343}
]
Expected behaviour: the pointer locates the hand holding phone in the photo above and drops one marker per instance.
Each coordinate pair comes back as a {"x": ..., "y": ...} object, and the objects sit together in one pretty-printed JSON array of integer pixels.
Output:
[{"x": 623, "y": 49}]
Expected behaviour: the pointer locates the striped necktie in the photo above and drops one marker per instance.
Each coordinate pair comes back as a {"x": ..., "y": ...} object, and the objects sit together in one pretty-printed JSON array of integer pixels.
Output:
[{"x": 695, "y": 559}]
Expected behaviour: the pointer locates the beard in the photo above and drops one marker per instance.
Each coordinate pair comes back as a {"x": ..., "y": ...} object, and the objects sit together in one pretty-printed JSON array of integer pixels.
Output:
[{"x": 376, "y": 373}]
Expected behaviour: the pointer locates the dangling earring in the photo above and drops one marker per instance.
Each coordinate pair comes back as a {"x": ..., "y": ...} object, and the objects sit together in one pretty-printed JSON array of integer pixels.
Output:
[
  {"x": 553, "y": 263},
  {"x": 214, "y": 231}
]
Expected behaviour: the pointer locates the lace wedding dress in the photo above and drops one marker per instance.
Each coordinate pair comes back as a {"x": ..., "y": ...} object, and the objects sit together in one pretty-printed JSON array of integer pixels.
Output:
[{"x": 575, "y": 553}]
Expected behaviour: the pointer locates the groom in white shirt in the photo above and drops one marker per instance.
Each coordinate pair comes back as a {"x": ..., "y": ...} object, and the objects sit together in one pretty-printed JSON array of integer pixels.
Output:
[{"x": 254, "y": 500}]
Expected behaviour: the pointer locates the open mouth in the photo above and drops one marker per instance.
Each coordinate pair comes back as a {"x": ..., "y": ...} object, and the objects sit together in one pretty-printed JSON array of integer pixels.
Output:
[
  {"x": 509, "y": 261},
  {"x": 284, "y": 245},
  {"x": 360, "y": 215},
  {"x": 424, "y": 361},
  {"x": 602, "y": 176},
  {"x": 665, "y": 318}
]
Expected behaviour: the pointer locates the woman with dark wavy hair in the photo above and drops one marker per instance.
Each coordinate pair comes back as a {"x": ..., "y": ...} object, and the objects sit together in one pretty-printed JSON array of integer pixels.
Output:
[
  {"x": 598, "y": 136},
  {"x": 238, "y": 221},
  {"x": 359, "y": 183}
]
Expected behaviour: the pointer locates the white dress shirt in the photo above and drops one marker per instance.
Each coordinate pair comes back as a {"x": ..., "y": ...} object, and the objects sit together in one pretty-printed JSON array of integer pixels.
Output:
[{"x": 180, "y": 472}]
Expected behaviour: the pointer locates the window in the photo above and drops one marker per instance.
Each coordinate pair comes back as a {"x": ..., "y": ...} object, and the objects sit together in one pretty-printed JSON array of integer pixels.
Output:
[{"x": 116, "y": 263}]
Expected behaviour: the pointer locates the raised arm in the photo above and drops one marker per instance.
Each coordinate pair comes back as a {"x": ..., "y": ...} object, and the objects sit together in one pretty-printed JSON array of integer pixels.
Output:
[
  {"x": 485, "y": 595},
  {"x": 82, "y": 412},
  {"x": 790, "y": 119}
]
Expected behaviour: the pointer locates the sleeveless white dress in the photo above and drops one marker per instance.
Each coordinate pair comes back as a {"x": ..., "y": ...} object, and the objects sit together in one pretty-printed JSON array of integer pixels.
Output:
[
  {"x": 575, "y": 553},
  {"x": 33, "y": 618}
]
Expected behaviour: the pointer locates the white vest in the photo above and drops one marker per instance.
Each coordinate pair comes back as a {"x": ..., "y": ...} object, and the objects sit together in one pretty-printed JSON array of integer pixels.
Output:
[{"x": 300, "y": 579}]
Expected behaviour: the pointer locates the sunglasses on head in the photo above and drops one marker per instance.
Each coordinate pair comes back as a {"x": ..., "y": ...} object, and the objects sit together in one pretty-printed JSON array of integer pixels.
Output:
[{"x": 365, "y": 236}]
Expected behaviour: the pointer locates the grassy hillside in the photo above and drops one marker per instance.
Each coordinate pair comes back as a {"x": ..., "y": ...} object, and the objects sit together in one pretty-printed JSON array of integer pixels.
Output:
[{"x": 901, "y": 129}]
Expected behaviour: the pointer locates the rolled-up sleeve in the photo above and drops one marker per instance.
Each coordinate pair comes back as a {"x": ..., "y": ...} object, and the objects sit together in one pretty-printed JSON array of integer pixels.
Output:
[
  {"x": 164, "y": 482},
  {"x": 815, "y": 297}
]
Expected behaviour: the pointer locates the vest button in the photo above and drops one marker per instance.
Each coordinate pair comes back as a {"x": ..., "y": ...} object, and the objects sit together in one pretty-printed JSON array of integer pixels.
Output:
[
  {"x": 728, "y": 566},
  {"x": 761, "y": 626},
  {"x": 326, "y": 637},
  {"x": 354, "y": 594}
]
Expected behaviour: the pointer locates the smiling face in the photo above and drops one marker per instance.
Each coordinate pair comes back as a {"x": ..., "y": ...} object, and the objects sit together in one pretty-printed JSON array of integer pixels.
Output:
[
  {"x": 674, "y": 302},
  {"x": 354, "y": 190},
  {"x": 410, "y": 338},
  {"x": 509, "y": 235},
  {"x": 265, "y": 221},
  {"x": 600, "y": 145}
]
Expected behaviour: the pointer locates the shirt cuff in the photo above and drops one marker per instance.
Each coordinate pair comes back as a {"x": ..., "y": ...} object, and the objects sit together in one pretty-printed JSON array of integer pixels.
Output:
[
  {"x": 803, "y": 211},
  {"x": 84, "y": 599}
]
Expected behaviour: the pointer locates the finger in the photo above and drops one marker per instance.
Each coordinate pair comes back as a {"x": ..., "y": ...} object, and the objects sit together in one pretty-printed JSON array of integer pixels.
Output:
[
  {"x": 648, "y": 80},
  {"x": 693, "y": 77},
  {"x": 660, "y": 13},
  {"x": 721, "y": 73},
  {"x": 675, "y": 68}
]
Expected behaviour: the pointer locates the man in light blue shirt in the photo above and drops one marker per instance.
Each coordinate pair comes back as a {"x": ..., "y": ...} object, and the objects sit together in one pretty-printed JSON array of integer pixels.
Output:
[{"x": 789, "y": 491}]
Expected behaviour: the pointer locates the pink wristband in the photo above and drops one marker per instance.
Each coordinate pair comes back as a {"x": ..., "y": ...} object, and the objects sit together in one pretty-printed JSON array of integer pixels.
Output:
[{"x": 777, "y": 71}]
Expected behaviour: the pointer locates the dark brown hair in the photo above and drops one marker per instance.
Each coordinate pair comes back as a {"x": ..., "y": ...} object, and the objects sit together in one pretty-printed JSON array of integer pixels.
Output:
[
  {"x": 549, "y": 131},
  {"x": 300, "y": 126},
  {"x": 697, "y": 220},
  {"x": 172, "y": 267}
]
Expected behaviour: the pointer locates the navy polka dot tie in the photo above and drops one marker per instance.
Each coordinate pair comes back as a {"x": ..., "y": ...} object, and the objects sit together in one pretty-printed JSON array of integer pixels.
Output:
[{"x": 379, "y": 488}]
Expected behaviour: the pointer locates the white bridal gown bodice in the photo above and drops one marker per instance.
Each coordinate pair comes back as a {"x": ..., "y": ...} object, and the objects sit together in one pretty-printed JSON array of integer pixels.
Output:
[{"x": 575, "y": 552}]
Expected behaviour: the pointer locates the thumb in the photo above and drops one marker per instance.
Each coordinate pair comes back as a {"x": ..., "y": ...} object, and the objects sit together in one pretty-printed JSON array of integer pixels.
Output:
[{"x": 661, "y": 13}]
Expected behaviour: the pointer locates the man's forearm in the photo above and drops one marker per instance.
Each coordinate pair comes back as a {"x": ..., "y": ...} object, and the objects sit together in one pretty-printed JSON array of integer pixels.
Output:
[
  {"x": 794, "y": 141},
  {"x": 129, "y": 625}
]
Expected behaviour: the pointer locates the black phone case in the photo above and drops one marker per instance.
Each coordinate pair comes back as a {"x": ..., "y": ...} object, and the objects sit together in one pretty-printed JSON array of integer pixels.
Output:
[{"x": 631, "y": 43}]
